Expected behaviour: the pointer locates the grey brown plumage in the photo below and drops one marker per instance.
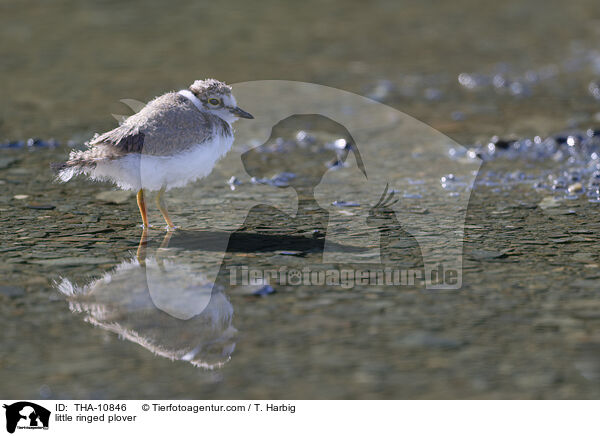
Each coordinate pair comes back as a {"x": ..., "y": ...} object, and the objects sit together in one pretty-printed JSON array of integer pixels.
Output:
[{"x": 171, "y": 123}]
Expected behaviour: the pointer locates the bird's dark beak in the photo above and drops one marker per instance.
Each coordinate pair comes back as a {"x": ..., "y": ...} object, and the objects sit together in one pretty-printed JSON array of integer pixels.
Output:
[{"x": 241, "y": 113}]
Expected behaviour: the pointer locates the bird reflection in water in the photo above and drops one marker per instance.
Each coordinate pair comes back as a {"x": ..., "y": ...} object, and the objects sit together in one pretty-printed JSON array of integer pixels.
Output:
[{"x": 163, "y": 304}]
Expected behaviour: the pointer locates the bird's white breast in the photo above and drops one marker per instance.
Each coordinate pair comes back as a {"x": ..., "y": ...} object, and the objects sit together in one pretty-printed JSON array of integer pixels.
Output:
[{"x": 137, "y": 171}]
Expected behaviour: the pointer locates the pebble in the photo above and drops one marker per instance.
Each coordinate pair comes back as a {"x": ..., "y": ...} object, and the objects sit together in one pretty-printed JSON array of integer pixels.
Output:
[
  {"x": 291, "y": 253},
  {"x": 73, "y": 261},
  {"x": 12, "y": 291},
  {"x": 423, "y": 339},
  {"x": 280, "y": 180},
  {"x": 432, "y": 94},
  {"x": 555, "y": 323},
  {"x": 13, "y": 144},
  {"x": 419, "y": 210},
  {"x": 305, "y": 138},
  {"x": 382, "y": 91},
  {"x": 587, "y": 314},
  {"x": 487, "y": 254},
  {"x": 40, "y": 206},
  {"x": 31, "y": 142},
  {"x": 5, "y": 162},
  {"x": 114, "y": 197},
  {"x": 233, "y": 182},
  {"x": 503, "y": 144},
  {"x": 265, "y": 290},
  {"x": 21, "y": 197},
  {"x": 339, "y": 203},
  {"x": 45, "y": 392},
  {"x": 576, "y": 187},
  {"x": 341, "y": 144},
  {"x": 584, "y": 257},
  {"x": 335, "y": 164},
  {"x": 549, "y": 202},
  {"x": 458, "y": 116},
  {"x": 594, "y": 89},
  {"x": 473, "y": 81}
]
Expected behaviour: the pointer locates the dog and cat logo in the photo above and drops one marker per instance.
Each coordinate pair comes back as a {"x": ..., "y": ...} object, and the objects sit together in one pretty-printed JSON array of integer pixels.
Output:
[{"x": 26, "y": 415}]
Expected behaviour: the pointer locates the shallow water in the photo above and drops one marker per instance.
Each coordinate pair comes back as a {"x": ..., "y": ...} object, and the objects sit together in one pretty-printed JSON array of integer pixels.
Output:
[{"x": 110, "y": 318}]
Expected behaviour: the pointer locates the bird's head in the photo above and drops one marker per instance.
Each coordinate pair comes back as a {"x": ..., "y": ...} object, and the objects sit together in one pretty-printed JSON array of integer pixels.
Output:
[{"x": 216, "y": 97}]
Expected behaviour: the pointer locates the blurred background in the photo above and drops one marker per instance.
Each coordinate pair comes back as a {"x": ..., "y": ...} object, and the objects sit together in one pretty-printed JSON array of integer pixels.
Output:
[{"x": 525, "y": 65}]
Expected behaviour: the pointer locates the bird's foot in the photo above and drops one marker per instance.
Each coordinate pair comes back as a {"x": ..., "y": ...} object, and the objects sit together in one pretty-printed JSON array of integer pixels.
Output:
[
  {"x": 171, "y": 228},
  {"x": 146, "y": 227}
]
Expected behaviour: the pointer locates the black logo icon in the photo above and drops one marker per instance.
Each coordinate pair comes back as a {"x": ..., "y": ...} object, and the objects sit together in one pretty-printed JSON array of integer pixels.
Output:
[{"x": 26, "y": 415}]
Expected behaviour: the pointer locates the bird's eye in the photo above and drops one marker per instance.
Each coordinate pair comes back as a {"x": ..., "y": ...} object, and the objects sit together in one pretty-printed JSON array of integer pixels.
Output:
[{"x": 214, "y": 101}]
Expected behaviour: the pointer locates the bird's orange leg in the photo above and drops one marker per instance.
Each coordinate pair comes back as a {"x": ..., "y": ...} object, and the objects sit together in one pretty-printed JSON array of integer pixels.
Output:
[
  {"x": 141, "y": 251},
  {"x": 162, "y": 206},
  {"x": 142, "y": 205},
  {"x": 164, "y": 245}
]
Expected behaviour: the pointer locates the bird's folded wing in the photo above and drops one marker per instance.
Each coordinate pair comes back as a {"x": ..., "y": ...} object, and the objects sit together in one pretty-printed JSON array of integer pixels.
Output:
[
  {"x": 167, "y": 125},
  {"x": 124, "y": 139}
]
